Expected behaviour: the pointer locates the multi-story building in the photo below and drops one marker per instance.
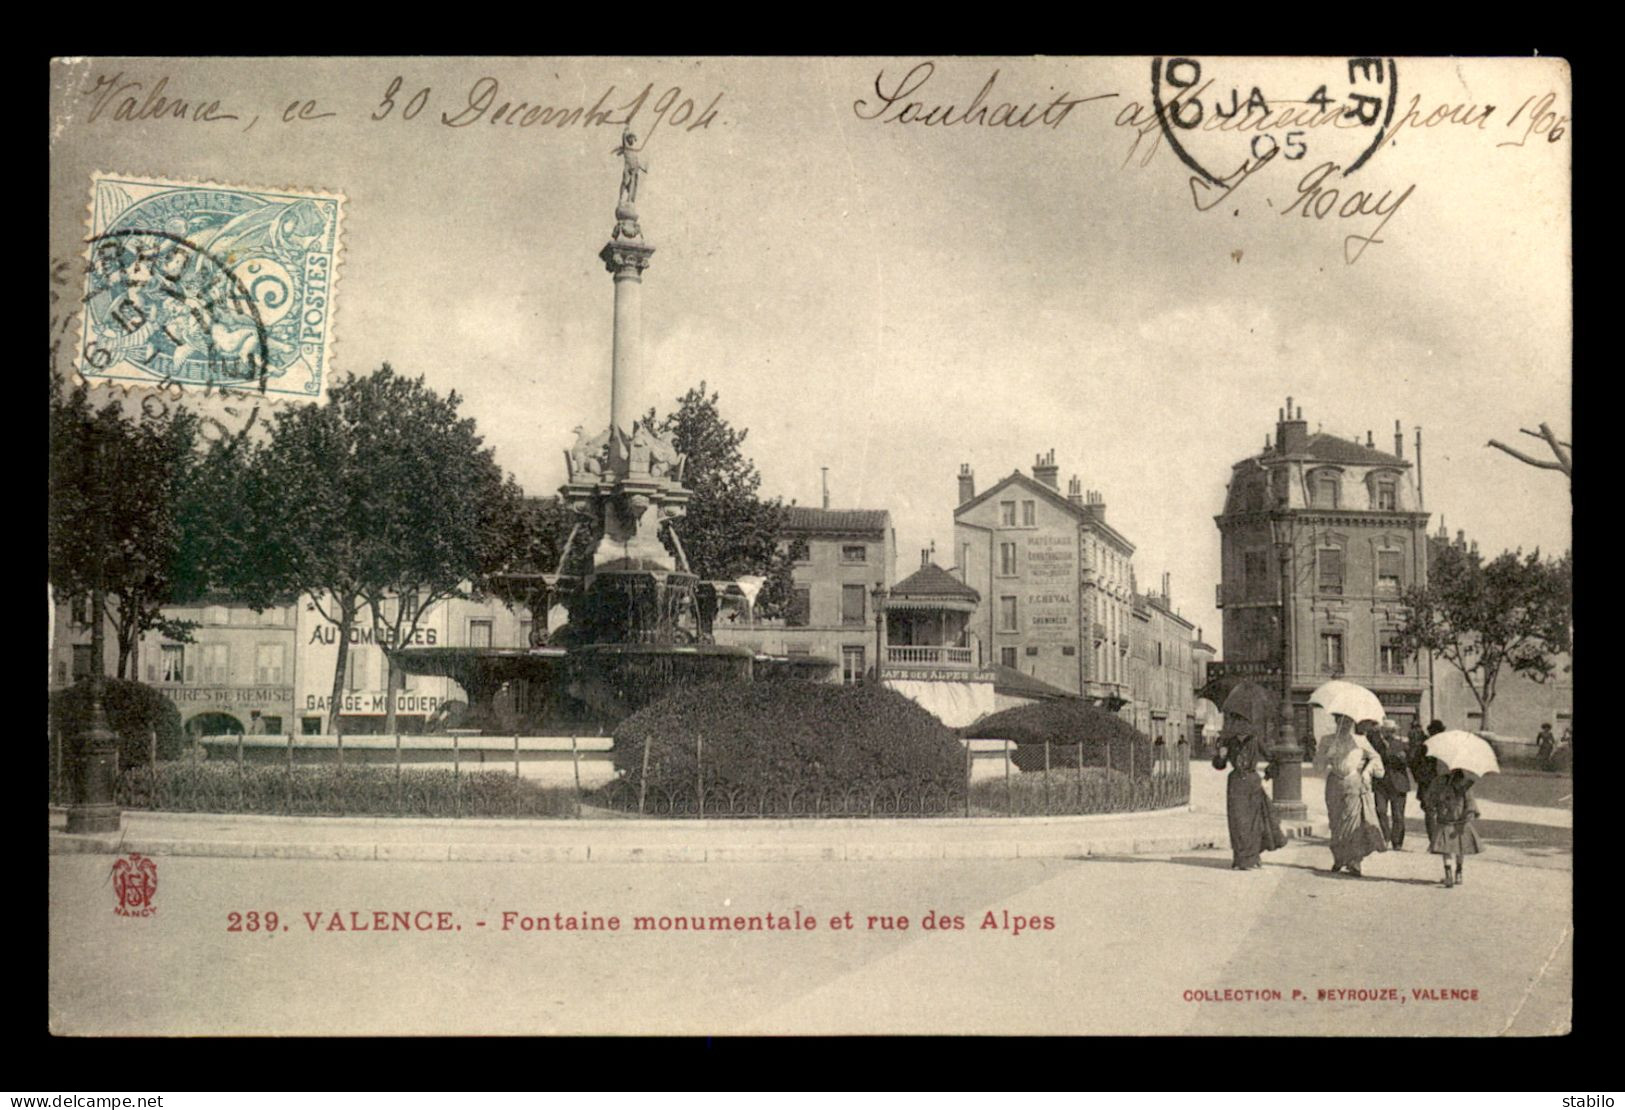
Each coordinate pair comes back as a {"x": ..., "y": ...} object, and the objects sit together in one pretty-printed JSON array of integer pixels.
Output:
[
  {"x": 1056, "y": 581},
  {"x": 844, "y": 560},
  {"x": 272, "y": 671},
  {"x": 364, "y": 699},
  {"x": 1161, "y": 672},
  {"x": 1329, "y": 533},
  {"x": 236, "y": 673}
]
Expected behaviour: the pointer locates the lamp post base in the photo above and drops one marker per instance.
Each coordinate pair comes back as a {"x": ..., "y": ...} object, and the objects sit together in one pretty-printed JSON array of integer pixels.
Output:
[
  {"x": 1288, "y": 803},
  {"x": 94, "y": 809},
  {"x": 93, "y": 819},
  {"x": 1290, "y": 812}
]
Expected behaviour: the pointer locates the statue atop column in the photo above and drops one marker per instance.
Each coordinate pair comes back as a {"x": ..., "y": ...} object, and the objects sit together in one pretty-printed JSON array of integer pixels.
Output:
[{"x": 632, "y": 171}]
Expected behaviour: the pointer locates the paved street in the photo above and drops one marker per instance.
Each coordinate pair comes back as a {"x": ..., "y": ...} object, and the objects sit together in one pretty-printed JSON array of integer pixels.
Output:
[{"x": 1132, "y": 935}]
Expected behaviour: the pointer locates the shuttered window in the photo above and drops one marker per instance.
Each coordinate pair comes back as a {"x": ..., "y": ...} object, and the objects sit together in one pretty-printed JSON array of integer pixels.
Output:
[
  {"x": 1390, "y": 565},
  {"x": 1331, "y": 570},
  {"x": 852, "y": 604},
  {"x": 800, "y": 612}
]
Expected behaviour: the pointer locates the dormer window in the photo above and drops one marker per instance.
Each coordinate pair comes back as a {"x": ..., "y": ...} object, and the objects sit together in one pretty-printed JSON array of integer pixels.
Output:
[
  {"x": 1323, "y": 489},
  {"x": 1384, "y": 486}
]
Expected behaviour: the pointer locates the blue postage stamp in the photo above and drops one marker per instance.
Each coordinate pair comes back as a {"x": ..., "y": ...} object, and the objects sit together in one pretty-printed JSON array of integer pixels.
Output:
[{"x": 213, "y": 286}]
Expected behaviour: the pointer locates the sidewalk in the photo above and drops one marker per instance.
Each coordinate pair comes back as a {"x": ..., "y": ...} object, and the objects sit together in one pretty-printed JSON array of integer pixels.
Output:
[{"x": 1201, "y": 825}]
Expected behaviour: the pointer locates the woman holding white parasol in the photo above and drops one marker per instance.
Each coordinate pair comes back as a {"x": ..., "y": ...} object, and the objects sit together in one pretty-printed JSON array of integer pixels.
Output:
[
  {"x": 1349, "y": 763},
  {"x": 1464, "y": 758}
]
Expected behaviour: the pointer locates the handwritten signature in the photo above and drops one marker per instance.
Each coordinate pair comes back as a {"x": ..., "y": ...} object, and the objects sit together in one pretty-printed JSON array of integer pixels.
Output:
[{"x": 1315, "y": 201}]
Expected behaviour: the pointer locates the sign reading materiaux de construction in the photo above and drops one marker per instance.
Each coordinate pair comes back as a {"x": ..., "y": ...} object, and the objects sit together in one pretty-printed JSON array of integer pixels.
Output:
[{"x": 1052, "y": 577}]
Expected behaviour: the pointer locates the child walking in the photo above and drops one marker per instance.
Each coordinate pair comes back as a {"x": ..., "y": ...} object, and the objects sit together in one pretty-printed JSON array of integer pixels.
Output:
[{"x": 1454, "y": 836}]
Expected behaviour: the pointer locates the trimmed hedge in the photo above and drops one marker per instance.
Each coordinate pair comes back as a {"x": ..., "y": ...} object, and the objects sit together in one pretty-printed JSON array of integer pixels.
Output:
[
  {"x": 1071, "y": 727},
  {"x": 787, "y": 736},
  {"x": 326, "y": 789},
  {"x": 133, "y": 709}
]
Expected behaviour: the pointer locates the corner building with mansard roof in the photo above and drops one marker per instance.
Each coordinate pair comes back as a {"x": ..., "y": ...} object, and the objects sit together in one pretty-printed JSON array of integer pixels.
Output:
[{"x": 1329, "y": 533}]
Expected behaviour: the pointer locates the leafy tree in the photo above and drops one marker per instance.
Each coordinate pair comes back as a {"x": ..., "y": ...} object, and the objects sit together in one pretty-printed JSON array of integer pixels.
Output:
[
  {"x": 729, "y": 530},
  {"x": 134, "y": 711},
  {"x": 380, "y": 495},
  {"x": 134, "y": 504},
  {"x": 1513, "y": 613}
]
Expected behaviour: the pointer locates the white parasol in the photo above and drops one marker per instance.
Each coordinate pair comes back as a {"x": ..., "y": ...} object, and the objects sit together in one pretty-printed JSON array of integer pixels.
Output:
[
  {"x": 1348, "y": 699},
  {"x": 1463, "y": 751}
]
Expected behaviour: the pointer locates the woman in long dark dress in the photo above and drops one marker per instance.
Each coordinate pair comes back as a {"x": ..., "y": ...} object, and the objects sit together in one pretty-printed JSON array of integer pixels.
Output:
[{"x": 1253, "y": 827}]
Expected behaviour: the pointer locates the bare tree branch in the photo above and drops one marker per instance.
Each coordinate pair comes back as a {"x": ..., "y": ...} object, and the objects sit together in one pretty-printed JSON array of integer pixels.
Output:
[
  {"x": 1538, "y": 435},
  {"x": 1558, "y": 450},
  {"x": 1523, "y": 458}
]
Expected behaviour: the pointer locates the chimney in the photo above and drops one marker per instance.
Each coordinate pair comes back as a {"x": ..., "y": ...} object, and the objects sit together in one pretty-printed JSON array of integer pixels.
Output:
[
  {"x": 1166, "y": 594},
  {"x": 1097, "y": 505},
  {"x": 1291, "y": 432},
  {"x": 925, "y": 557},
  {"x": 1045, "y": 470},
  {"x": 1074, "y": 491},
  {"x": 1369, "y": 442},
  {"x": 825, "y": 470},
  {"x": 967, "y": 483},
  {"x": 1399, "y": 441}
]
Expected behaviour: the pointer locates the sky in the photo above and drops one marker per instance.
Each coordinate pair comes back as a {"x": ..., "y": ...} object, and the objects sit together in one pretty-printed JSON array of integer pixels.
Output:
[{"x": 890, "y": 299}]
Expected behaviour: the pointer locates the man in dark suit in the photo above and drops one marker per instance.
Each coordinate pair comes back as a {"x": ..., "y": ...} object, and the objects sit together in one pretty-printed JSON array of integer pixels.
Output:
[
  {"x": 1390, "y": 790},
  {"x": 1424, "y": 769}
]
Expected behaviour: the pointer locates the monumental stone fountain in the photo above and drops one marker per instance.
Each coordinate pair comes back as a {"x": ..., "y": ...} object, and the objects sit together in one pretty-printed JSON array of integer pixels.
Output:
[{"x": 640, "y": 620}]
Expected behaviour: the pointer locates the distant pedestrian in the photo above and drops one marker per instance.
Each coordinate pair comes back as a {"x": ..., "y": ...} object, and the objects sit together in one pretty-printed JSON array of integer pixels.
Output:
[
  {"x": 1424, "y": 769},
  {"x": 1545, "y": 744},
  {"x": 1395, "y": 784},
  {"x": 1454, "y": 837},
  {"x": 1253, "y": 826},
  {"x": 1350, "y": 763},
  {"x": 256, "y": 723}
]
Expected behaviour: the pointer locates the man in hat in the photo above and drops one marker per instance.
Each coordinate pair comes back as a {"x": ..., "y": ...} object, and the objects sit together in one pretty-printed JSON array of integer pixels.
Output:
[
  {"x": 1424, "y": 769},
  {"x": 1391, "y": 788}
]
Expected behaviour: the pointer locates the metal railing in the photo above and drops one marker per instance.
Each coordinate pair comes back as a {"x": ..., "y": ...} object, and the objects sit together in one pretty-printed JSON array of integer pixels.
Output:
[
  {"x": 372, "y": 776},
  {"x": 929, "y": 655}
]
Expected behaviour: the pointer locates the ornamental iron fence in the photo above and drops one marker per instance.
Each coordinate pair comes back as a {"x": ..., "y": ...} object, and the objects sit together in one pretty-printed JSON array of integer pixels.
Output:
[{"x": 306, "y": 780}]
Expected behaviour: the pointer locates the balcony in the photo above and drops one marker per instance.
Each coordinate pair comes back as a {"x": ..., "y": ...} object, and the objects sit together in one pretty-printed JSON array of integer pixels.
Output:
[{"x": 927, "y": 655}]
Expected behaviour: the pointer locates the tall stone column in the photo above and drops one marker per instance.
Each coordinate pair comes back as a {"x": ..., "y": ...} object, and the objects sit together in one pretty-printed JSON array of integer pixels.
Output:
[{"x": 626, "y": 259}]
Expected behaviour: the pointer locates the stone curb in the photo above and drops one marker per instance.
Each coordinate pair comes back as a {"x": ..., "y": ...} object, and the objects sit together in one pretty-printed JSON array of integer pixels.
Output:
[{"x": 63, "y": 843}]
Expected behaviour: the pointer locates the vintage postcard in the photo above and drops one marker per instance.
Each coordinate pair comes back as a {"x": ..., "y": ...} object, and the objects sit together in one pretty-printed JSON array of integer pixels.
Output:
[{"x": 860, "y": 545}]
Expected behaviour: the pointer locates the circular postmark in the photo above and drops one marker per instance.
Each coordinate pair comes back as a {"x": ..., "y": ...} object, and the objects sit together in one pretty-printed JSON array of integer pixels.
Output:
[
  {"x": 158, "y": 301},
  {"x": 1223, "y": 116}
]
